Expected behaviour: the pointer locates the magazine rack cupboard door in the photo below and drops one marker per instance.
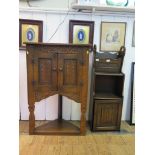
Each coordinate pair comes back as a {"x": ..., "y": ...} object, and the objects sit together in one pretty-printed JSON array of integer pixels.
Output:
[
  {"x": 107, "y": 114},
  {"x": 57, "y": 69}
]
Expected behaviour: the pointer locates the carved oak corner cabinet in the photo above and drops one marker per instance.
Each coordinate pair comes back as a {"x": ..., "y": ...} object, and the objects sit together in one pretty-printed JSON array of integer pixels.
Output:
[{"x": 57, "y": 69}]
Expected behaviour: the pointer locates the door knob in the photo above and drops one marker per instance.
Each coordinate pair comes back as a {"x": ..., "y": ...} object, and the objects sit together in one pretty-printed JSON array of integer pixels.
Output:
[{"x": 61, "y": 68}]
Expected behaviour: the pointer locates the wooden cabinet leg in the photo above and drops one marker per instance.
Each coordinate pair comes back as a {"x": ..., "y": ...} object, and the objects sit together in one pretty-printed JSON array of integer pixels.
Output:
[
  {"x": 83, "y": 120},
  {"x": 60, "y": 107},
  {"x": 31, "y": 119}
]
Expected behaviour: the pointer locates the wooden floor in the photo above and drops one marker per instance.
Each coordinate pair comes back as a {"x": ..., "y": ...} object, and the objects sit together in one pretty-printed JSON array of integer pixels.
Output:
[{"x": 94, "y": 143}]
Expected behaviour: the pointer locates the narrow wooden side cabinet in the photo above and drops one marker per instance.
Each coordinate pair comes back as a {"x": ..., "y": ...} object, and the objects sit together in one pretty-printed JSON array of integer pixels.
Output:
[
  {"x": 57, "y": 69},
  {"x": 106, "y": 100}
]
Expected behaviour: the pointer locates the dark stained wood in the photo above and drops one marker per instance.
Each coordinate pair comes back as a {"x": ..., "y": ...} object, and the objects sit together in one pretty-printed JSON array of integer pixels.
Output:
[
  {"x": 110, "y": 84},
  {"x": 45, "y": 67},
  {"x": 84, "y": 92},
  {"x": 31, "y": 95},
  {"x": 70, "y": 73},
  {"x": 106, "y": 97},
  {"x": 60, "y": 107},
  {"x": 109, "y": 62},
  {"x": 107, "y": 114},
  {"x": 107, "y": 100},
  {"x": 60, "y": 44},
  {"x": 57, "y": 69},
  {"x": 45, "y": 70},
  {"x": 109, "y": 74}
]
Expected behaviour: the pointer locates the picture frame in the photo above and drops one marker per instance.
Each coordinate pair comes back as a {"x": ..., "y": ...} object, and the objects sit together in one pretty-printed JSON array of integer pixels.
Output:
[
  {"x": 81, "y": 32},
  {"x": 30, "y": 31},
  {"x": 112, "y": 36},
  {"x": 132, "y": 109},
  {"x": 133, "y": 35}
]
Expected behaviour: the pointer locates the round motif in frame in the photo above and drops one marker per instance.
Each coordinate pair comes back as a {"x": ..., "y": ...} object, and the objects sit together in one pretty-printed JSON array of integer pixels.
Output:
[
  {"x": 30, "y": 34},
  {"x": 81, "y": 35}
]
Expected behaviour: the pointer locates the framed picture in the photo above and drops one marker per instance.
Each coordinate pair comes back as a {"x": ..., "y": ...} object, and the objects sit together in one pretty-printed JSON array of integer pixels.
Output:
[
  {"x": 81, "y": 32},
  {"x": 112, "y": 36},
  {"x": 30, "y": 31},
  {"x": 133, "y": 35},
  {"x": 132, "y": 110}
]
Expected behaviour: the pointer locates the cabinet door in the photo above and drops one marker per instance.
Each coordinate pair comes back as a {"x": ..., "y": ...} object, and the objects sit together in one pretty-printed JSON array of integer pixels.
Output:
[
  {"x": 45, "y": 71},
  {"x": 107, "y": 114},
  {"x": 70, "y": 72}
]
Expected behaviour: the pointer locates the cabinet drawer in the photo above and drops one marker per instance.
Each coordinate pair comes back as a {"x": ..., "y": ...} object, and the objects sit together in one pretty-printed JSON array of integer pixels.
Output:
[{"x": 107, "y": 114}]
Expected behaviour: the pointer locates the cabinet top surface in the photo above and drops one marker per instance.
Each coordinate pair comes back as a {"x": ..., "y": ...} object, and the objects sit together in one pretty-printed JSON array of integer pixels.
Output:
[{"x": 59, "y": 44}]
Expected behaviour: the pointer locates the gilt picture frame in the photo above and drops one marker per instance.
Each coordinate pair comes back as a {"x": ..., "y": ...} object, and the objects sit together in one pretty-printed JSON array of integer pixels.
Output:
[
  {"x": 30, "y": 31},
  {"x": 112, "y": 36},
  {"x": 81, "y": 32}
]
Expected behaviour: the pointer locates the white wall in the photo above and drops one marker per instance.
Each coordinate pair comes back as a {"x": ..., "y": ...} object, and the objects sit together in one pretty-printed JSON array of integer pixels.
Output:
[
  {"x": 47, "y": 108},
  {"x": 57, "y": 4}
]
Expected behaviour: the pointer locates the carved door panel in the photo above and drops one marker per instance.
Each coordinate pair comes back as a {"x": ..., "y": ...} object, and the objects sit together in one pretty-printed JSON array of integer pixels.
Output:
[
  {"x": 107, "y": 114},
  {"x": 70, "y": 72},
  {"x": 45, "y": 71}
]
